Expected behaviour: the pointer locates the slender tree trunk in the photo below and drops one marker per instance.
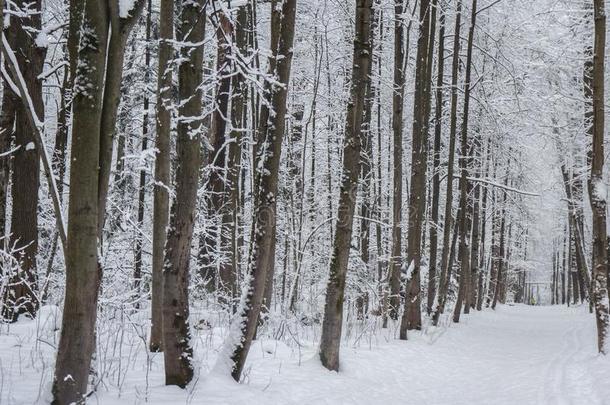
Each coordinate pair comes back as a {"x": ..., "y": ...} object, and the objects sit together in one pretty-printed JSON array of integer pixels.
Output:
[
  {"x": 212, "y": 254},
  {"x": 333, "y": 309},
  {"x": 597, "y": 193},
  {"x": 176, "y": 330},
  {"x": 466, "y": 217},
  {"x": 445, "y": 279},
  {"x": 120, "y": 28},
  {"x": 271, "y": 132},
  {"x": 137, "y": 274},
  {"x": 162, "y": 170},
  {"x": 476, "y": 167},
  {"x": 232, "y": 213},
  {"x": 436, "y": 175},
  {"x": 7, "y": 117},
  {"x": 397, "y": 128},
  {"x": 501, "y": 259},
  {"x": 22, "y": 292},
  {"x": 495, "y": 252},
  {"x": 7, "y": 124},
  {"x": 575, "y": 221},
  {"x": 417, "y": 196},
  {"x": 83, "y": 273},
  {"x": 563, "y": 271}
]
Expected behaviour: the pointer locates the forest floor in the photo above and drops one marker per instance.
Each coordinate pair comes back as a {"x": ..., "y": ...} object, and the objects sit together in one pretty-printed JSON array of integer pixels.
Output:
[{"x": 515, "y": 355}]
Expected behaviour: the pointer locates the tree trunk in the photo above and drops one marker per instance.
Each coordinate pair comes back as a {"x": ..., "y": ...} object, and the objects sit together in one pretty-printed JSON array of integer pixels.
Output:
[
  {"x": 444, "y": 279},
  {"x": 466, "y": 217},
  {"x": 495, "y": 251},
  {"x": 120, "y": 28},
  {"x": 232, "y": 212},
  {"x": 411, "y": 318},
  {"x": 436, "y": 167},
  {"x": 212, "y": 253},
  {"x": 397, "y": 128},
  {"x": 176, "y": 330},
  {"x": 22, "y": 290},
  {"x": 83, "y": 273},
  {"x": 271, "y": 132},
  {"x": 575, "y": 223},
  {"x": 7, "y": 124},
  {"x": 333, "y": 309},
  {"x": 596, "y": 185},
  {"x": 501, "y": 259},
  {"x": 137, "y": 274},
  {"x": 162, "y": 170}
]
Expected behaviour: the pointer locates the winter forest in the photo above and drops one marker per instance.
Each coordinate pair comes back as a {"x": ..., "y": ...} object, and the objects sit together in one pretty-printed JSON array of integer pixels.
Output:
[{"x": 303, "y": 202}]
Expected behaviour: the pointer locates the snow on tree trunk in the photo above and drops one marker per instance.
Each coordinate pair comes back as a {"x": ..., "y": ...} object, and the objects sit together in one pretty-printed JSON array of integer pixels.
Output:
[
  {"x": 177, "y": 348},
  {"x": 333, "y": 308}
]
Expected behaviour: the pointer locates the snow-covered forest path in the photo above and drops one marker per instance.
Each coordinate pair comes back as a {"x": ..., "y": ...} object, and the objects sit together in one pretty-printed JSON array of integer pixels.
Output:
[{"x": 514, "y": 355}]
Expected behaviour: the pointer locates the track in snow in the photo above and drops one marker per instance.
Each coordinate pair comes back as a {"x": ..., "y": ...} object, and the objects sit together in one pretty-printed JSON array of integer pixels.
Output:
[{"x": 515, "y": 355}]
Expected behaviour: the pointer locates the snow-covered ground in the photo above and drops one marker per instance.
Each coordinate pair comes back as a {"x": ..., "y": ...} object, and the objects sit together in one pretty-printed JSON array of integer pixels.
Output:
[{"x": 515, "y": 355}]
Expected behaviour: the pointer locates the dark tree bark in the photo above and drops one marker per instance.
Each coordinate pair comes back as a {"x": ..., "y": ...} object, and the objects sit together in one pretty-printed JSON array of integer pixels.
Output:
[
  {"x": 397, "y": 128},
  {"x": 137, "y": 273},
  {"x": 495, "y": 250},
  {"x": 211, "y": 255},
  {"x": 333, "y": 308},
  {"x": 7, "y": 118},
  {"x": 162, "y": 170},
  {"x": 501, "y": 256},
  {"x": 411, "y": 318},
  {"x": 120, "y": 28},
  {"x": 7, "y": 126},
  {"x": 271, "y": 132},
  {"x": 597, "y": 194},
  {"x": 445, "y": 263},
  {"x": 176, "y": 331},
  {"x": 563, "y": 270},
  {"x": 232, "y": 212},
  {"x": 83, "y": 273},
  {"x": 436, "y": 165},
  {"x": 466, "y": 217},
  {"x": 22, "y": 292},
  {"x": 366, "y": 174},
  {"x": 575, "y": 221}
]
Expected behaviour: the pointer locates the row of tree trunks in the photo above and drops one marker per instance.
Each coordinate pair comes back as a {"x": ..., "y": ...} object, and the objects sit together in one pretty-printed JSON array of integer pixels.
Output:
[
  {"x": 466, "y": 214},
  {"x": 445, "y": 278}
]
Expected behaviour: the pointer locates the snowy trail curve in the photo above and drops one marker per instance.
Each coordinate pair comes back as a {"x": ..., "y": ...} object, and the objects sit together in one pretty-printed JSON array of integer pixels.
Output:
[{"x": 515, "y": 355}]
